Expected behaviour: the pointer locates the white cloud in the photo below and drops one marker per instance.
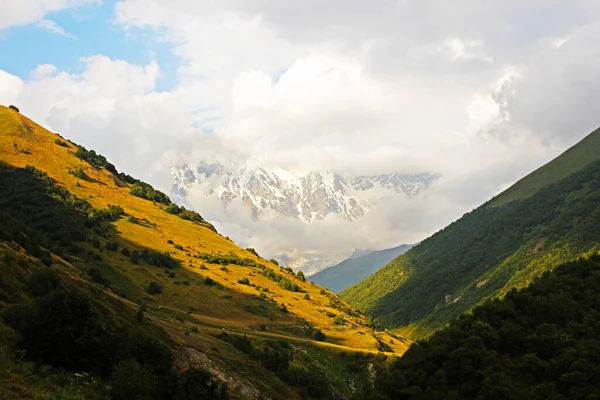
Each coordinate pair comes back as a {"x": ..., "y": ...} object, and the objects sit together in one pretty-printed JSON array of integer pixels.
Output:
[
  {"x": 44, "y": 71},
  {"x": 458, "y": 49},
  {"x": 481, "y": 92},
  {"x": 53, "y": 27},
  {"x": 22, "y": 12}
]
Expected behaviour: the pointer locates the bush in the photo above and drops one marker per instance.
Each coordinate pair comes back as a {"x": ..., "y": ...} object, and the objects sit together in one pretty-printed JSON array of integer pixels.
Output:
[
  {"x": 274, "y": 261},
  {"x": 178, "y": 247},
  {"x": 173, "y": 209},
  {"x": 339, "y": 320},
  {"x": 307, "y": 296},
  {"x": 78, "y": 172},
  {"x": 14, "y": 108},
  {"x": 319, "y": 336},
  {"x": 131, "y": 219},
  {"x": 125, "y": 252},
  {"x": 208, "y": 281},
  {"x": 61, "y": 142},
  {"x": 145, "y": 191},
  {"x": 154, "y": 288},
  {"x": 244, "y": 281},
  {"x": 252, "y": 251},
  {"x": 300, "y": 275}
]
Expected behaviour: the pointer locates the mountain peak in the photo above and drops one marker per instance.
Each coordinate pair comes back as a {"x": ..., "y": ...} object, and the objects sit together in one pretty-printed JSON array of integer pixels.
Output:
[{"x": 308, "y": 196}]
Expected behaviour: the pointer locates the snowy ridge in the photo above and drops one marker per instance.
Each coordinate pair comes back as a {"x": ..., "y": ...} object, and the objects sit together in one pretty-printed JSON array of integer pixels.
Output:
[{"x": 307, "y": 197}]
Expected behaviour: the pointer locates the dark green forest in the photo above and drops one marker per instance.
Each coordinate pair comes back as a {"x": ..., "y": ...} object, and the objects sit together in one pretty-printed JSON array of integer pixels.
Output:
[
  {"x": 485, "y": 253},
  {"x": 540, "y": 343}
]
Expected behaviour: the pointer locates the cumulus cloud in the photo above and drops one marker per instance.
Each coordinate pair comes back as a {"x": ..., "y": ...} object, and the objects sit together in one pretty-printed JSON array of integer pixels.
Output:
[
  {"x": 481, "y": 92},
  {"x": 27, "y": 11}
]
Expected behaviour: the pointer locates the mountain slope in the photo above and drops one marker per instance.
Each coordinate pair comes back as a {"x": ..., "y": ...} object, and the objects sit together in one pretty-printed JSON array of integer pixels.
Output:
[
  {"x": 354, "y": 270},
  {"x": 538, "y": 343},
  {"x": 123, "y": 251},
  {"x": 571, "y": 161},
  {"x": 492, "y": 249}
]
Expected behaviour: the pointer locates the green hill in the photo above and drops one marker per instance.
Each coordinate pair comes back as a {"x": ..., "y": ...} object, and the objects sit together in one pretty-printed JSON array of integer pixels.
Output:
[
  {"x": 500, "y": 245},
  {"x": 535, "y": 344},
  {"x": 110, "y": 291},
  {"x": 354, "y": 270}
]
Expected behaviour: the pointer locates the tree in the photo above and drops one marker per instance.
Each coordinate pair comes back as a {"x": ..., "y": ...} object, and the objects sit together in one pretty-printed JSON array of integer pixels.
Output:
[
  {"x": 14, "y": 108},
  {"x": 173, "y": 209},
  {"x": 154, "y": 288},
  {"x": 300, "y": 275}
]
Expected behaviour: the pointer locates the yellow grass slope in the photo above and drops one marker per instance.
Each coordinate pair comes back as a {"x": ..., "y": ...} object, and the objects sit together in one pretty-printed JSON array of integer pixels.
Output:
[{"x": 186, "y": 301}]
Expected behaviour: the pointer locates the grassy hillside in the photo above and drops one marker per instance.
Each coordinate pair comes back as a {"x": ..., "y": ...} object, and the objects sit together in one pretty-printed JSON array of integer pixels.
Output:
[
  {"x": 354, "y": 270},
  {"x": 488, "y": 251},
  {"x": 535, "y": 344},
  {"x": 571, "y": 161},
  {"x": 212, "y": 304}
]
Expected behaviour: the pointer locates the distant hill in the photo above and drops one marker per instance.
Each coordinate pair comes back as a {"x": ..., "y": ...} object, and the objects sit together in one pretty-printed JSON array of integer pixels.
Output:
[
  {"x": 110, "y": 290},
  {"x": 354, "y": 270},
  {"x": 547, "y": 218}
]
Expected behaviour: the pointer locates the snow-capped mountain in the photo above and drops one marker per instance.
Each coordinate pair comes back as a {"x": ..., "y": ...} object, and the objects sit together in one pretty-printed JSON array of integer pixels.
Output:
[{"x": 308, "y": 197}]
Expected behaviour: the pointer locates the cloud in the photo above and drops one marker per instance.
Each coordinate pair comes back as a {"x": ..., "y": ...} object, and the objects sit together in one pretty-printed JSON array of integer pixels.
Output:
[
  {"x": 22, "y": 12},
  {"x": 53, "y": 27},
  {"x": 481, "y": 92},
  {"x": 458, "y": 49}
]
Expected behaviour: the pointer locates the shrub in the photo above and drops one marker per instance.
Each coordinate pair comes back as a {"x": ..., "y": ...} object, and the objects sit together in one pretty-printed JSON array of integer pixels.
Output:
[
  {"x": 78, "y": 172},
  {"x": 61, "y": 142},
  {"x": 274, "y": 261},
  {"x": 154, "y": 288},
  {"x": 14, "y": 108},
  {"x": 339, "y": 320},
  {"x": 170, "y": 241},
  {"x": 319, "y": 336},
  {"x": 208, "y": 281},
  {"x": 112, "y": 246},
  {"x": 307, "y": 296},
  {"x": 252, "y": 251},
  {"x": 244, "y": 281},
  {"x": 125, "y": 252},
  {"x": 134, "y": 257},
  {"x": 145, "y": 191},
  {"x": 300, "y": 275},
  {"x": 178, "y": 247},
  {"x": 173, "y": 209}
]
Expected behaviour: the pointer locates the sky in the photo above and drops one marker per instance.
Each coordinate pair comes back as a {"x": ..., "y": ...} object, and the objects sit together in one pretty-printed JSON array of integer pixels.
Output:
[{"x": 482, "y": 92}]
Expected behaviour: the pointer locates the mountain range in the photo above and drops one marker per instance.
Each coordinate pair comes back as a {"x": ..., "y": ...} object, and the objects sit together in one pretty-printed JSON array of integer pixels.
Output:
[
  {"x": 547, "y": 218},
  {"x": 305, "y": 196},
  {"x": 355, "y": 269}
]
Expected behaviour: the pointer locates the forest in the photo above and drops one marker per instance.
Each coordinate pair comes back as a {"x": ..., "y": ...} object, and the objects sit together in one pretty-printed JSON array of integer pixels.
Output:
[{"x": 539, "y": 343}]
